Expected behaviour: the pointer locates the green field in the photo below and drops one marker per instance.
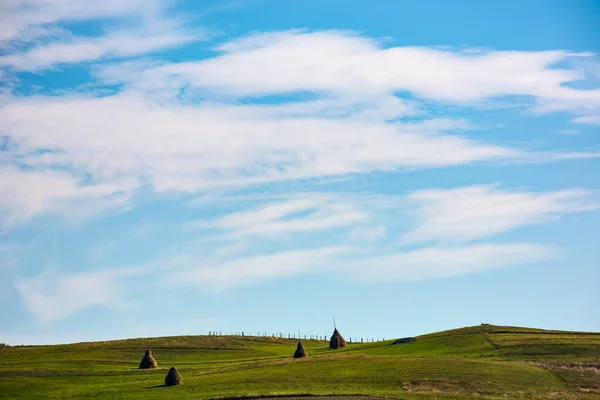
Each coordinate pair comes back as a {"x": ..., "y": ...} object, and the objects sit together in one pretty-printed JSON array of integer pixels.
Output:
[{"x": 482, "y": 362}]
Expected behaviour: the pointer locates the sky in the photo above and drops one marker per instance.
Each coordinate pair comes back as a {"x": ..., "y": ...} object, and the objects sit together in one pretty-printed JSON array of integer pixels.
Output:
[{"x": 179, "y": 167}]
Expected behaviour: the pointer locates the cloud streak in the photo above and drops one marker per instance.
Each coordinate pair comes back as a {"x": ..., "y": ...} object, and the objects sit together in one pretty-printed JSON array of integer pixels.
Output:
[
  {"x": 33, "y": 18},
  {"x": 348, "y": 263},
  {"x": 446, "y": 261},
  {"x": 51, "y": 296},
  {"x": 175, "y": 128},
  {"x": 34, "y": 38},
  {"x": 114, "y": 45},
  {"x": 192, "y": 148},
  {"x": 346, "y": 63},
  {"x": 468, "y": 213},
  {"x": 26, "y": 194},
  {"x": 451, "y": 217},
  {"x": 296, "y": 215},
  {"x": 260, "y": 268}
]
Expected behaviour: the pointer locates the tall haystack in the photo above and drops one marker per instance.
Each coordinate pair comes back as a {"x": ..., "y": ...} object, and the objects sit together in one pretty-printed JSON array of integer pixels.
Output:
[
  {"x": 336, "y": 341},
  {"x": 148, "y": 361},
  {"x": 300, "y": 351},
  {"x": 173, "y": 378}
]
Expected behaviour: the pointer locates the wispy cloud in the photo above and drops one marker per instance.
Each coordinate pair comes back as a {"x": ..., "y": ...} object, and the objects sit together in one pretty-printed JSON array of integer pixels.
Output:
[
  {"x": 443, "y": 262},
  {"x": 467, "y": 213},
  {"x": 113, "y": 45},
  {"x": 577, "y": 155},
  {"x": 450, "y": 216},
  {"x": 34, "y": 39},
  {"x": 589, "y": 119},
  {"x": 26, "y": 194},
  {"x": 255, "y": 269},
  {"x": 24, "y": 18},
  {"x": 52, "y": 296},
  {"x": 362, "y": 265},
  {"x": 345, "y": 62},
  {"x": 223, "y": 145},
  {"x": 311, "y": 213},
  {"x": 354, "y": 123}
]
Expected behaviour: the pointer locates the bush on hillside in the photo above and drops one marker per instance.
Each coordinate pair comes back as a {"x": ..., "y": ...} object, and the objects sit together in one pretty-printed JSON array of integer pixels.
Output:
[{"x": 404, "y": 340}]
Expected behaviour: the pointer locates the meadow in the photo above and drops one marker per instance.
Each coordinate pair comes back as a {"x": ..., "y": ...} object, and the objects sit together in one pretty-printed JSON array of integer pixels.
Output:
[{"x": 481, "y": 362}]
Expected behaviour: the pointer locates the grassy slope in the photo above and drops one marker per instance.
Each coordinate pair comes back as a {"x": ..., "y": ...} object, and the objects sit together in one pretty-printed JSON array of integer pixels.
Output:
[{"x": 476, "y": 362}]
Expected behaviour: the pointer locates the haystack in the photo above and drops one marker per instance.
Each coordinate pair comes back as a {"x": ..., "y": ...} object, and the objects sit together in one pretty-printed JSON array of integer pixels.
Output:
[
  {"x": 173, "y": 378},
  {"x": 148, "y": 361},
  {"x": 300, "y": 351},
  {"x": 336, "y": 341}
]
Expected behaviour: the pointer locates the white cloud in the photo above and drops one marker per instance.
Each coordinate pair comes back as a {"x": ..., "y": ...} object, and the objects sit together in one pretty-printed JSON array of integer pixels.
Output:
[
  {"x": 317, "y": 213},
  {"x": 51, "y": 296},
  {"x": 468, "y": 213},
  {"x": 255, "y": 269},
  {"x": 344, "y": 62},
  {"x": 167, "y": 128},
  {"x": 121, "y": 44},
  {"x": 589, "y": 119},
  {"x": 451, "y": 215},
  {"x": 576, "y": 155},
  {"x": 26, "y": 194},
  {"x": 136, "y": 28},
  {"x": 189, "y": 148},
  {"x": 27, "y": 18},
  {"x": 265, "y": 214},
  {"x": 442, "y": 262},
  {"x": 352, "y": 263}
]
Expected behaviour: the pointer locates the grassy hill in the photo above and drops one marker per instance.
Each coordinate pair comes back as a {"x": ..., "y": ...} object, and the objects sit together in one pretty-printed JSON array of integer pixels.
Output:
[{"x": 485, "y": 361}]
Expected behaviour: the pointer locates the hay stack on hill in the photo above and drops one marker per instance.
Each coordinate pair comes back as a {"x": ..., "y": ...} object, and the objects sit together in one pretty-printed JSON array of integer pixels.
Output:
[
  {"x": 300, "y": 351},
  {"x": 173, "y": 378},
  {"x": 148, "y": 361},
  {"x": 336, "y": 341}
]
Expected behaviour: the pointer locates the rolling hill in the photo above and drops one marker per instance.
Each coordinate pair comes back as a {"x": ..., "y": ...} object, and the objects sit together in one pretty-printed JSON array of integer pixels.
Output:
[{"x": 489, "y": 362}]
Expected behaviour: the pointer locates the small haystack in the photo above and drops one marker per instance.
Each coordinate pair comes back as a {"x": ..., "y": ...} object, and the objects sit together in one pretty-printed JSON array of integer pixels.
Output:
[
  {"x": 148, "y": 361},
  {"x": 173, "y": 378},
  {"x": 300, "y": 351},
  {"x": 336, "y": 341}
]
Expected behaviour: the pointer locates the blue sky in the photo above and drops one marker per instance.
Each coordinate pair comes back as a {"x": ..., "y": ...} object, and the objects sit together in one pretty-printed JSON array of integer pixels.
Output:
[{"x": 179, "y": 167}]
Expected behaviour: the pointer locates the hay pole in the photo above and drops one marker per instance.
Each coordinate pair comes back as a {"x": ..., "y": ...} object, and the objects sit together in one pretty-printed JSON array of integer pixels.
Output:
[{"x": 334, "y": 327}]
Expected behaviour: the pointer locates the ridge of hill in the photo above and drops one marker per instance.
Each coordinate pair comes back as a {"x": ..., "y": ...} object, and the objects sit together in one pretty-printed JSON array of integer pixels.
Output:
[{"x": 483, "y": 361}]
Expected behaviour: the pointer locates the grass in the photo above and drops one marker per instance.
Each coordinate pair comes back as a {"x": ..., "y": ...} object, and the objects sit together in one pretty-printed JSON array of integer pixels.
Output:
[{"x": 486, "y": 362}]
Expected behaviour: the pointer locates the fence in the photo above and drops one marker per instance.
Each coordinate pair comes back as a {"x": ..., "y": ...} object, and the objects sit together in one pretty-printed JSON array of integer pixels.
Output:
[{"x": 299, "y": 336}]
